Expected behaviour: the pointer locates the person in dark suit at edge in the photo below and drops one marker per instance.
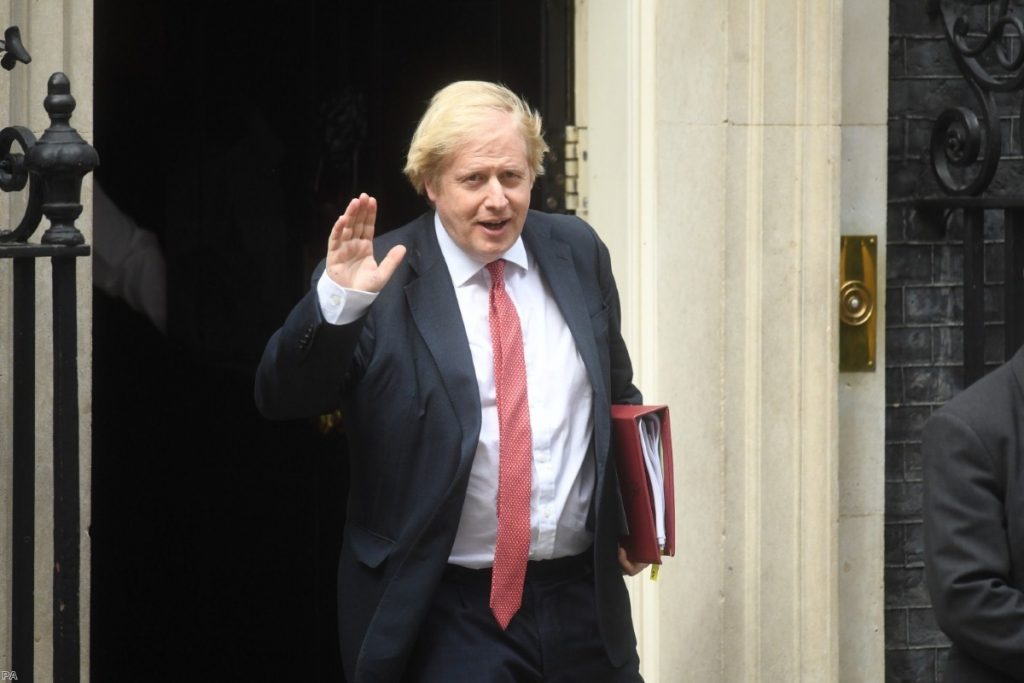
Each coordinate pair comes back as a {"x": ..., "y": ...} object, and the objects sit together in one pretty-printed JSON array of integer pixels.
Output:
[
  {"x": 475, "y": 353},
  {"x": 974, "y": 526}
]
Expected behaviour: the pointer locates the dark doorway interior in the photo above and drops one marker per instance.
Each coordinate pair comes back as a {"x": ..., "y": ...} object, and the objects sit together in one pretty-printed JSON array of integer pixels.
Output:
[{"x": 234, "y": 137}]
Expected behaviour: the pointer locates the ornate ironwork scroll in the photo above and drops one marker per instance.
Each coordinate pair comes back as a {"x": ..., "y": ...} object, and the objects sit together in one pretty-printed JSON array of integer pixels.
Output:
[
  {"x": 14, "y": 176},
  {"x": 12, "y": 46},
  {"x": 961, "y": 138},
  {"x": 13, "y": 171}
]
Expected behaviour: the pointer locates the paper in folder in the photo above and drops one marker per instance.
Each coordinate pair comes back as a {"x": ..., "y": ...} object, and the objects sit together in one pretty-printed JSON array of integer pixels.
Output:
[{"x": 643, "y": 453}]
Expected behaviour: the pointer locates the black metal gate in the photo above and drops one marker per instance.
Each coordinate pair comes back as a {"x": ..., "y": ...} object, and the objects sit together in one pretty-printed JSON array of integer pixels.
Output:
[
  {"x": 52, "y": 168},
  {"x": 967, "y": 144}
]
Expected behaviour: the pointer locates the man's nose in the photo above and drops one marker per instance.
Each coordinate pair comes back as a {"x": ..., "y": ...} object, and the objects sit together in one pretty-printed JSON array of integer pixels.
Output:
[{"x": 495, "y": 197}]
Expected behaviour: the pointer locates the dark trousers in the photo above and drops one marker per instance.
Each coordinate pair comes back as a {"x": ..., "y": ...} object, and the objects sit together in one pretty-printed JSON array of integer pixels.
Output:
[{"x": 553, "y": 638}]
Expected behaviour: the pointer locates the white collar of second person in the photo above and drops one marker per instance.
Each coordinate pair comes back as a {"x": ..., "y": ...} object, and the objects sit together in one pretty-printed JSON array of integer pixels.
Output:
[{"x": 464, "y": 267}]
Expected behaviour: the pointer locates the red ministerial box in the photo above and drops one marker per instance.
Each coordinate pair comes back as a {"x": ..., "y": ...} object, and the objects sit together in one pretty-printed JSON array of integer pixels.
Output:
[{"x": 635, "y": 483}]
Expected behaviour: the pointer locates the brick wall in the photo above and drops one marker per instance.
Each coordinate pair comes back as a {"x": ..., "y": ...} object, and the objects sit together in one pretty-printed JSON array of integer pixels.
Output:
[{"x": 924, "y": 312}]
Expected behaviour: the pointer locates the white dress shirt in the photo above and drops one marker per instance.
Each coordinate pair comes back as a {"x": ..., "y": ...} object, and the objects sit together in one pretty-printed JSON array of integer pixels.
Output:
[{"x": 561, "y": 405}]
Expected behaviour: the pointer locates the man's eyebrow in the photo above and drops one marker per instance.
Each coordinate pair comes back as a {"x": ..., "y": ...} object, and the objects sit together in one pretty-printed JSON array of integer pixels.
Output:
[{"x": 478, "y": 167}]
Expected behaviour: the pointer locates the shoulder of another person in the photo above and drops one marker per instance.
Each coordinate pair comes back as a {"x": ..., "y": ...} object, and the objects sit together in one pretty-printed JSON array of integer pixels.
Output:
[{"x": 992, "y": 402}]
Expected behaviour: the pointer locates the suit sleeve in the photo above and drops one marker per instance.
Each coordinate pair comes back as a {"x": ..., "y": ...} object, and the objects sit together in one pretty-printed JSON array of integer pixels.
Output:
[
  {"x": 305, "y": 365},
  {"x": 622, "y": 389},
  {"x": 967, "y": 554}
]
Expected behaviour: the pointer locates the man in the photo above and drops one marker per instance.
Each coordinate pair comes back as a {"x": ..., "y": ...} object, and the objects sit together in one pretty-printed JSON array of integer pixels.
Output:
[
  {"x": 974, "y": 526},
  {"x": 475, "y": 353}
]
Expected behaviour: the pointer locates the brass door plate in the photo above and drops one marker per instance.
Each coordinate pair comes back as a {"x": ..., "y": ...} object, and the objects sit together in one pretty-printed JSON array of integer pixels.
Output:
[{"x": 857, "y": 303}]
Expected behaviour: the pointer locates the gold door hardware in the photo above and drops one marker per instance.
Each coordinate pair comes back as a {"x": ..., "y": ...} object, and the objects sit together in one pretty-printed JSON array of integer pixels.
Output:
[{"x": 857, "y": 303}]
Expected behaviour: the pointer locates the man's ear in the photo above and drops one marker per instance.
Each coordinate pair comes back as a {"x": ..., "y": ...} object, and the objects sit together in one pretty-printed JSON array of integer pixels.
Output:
[{"x": 431, "y": 191}]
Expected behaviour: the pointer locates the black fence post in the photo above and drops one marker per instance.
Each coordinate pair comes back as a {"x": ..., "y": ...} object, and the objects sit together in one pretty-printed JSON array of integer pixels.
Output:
[
  {"x": 66, "y": 536},
  {"x": 55, "y": 166},
  {"x": 23, "y": 482},
  {"x": 974, "y": 294},
  {"x": 1013, "y": 280}
]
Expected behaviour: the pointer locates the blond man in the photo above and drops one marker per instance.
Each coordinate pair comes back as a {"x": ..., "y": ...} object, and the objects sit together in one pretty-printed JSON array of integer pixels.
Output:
[{"x": 475, "y": 353}]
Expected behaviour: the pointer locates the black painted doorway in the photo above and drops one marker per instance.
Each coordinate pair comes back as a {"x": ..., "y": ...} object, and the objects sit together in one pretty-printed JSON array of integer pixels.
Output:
[{"x": 233, "y": 137}]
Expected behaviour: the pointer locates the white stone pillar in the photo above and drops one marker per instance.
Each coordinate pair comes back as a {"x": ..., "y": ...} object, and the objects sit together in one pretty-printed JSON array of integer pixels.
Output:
[
  {"x": 58, "y": 35},
  {"x": 780, "y": 362},
  {"x": 726, "y": 154},
  {"x": 863, "y": 170}
]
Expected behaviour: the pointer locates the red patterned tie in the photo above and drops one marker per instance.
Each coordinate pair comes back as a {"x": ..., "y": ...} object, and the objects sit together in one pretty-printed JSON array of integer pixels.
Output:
[{"x": 512, "y": 546}]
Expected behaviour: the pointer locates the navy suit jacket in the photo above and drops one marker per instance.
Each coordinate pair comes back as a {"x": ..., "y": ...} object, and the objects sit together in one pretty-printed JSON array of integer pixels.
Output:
[
  {"x": 974, "y": 526},
  {"x": 404, "y": 377}
]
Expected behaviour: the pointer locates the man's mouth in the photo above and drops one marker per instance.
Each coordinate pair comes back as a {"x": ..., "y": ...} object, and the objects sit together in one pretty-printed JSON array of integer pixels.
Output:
[{"x": 493, "y": 225}]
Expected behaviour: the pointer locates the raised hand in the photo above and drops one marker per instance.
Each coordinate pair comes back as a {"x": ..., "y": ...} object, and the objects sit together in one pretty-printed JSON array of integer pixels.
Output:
[{"x": 350, "y": 261}]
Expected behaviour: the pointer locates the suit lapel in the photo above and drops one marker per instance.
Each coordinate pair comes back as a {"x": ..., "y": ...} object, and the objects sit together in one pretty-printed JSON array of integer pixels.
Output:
[
  {"x": 554, "y": 260},
  {"x": 435, "y": 312}
]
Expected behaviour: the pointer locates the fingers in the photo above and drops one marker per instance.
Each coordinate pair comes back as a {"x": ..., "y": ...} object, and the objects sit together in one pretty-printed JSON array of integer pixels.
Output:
[
  {"x": 357, "y": 222},
  {"x": 628, "y": 566},
  {"x": 371, "y": 218},
  {"x": 338, "y": 235},
  {"x": 386, "y": 267},
  {"x": 362, "y": 212}
]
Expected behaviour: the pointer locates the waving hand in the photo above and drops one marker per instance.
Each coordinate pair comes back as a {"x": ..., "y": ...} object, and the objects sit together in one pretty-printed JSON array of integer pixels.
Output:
[{"x": 350, "y": 261}]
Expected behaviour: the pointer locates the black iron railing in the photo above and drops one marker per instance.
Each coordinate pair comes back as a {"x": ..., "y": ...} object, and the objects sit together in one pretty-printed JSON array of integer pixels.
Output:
[
  {"x": 974, "y": 211},
  {"x": 52, "y": 168},
  {"x": 966, "y": 150}
]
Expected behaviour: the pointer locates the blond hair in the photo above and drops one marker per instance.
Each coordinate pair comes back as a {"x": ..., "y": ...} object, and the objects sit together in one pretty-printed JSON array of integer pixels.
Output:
[{"x": 453, "y": 118}]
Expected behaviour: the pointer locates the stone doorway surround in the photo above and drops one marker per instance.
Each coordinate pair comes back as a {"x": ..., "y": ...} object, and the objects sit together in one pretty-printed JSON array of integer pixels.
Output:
[{"x": 729, "y": 145}]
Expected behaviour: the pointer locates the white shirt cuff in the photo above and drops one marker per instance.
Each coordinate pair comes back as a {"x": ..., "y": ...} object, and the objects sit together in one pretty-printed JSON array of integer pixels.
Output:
[{"x": 341, "y": 306}]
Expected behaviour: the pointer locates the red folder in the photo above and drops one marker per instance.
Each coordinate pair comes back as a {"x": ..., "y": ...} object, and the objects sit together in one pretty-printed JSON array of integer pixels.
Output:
[{"x": 642, "y": 542}]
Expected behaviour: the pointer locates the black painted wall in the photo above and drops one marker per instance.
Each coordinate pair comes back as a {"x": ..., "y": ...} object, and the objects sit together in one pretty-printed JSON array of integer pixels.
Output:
[{"x": 924, "y": 311}]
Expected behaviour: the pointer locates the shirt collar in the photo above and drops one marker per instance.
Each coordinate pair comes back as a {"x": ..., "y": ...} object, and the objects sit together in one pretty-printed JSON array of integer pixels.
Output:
[{"x": 462, "y": 266}]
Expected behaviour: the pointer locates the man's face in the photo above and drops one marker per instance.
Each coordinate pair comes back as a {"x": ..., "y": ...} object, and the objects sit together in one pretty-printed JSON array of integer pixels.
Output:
[{"x": 483, "y": 193}]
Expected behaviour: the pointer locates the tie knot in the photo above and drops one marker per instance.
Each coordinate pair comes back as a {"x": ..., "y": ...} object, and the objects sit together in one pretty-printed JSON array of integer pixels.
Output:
[{"x": 497, "y": 271}]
